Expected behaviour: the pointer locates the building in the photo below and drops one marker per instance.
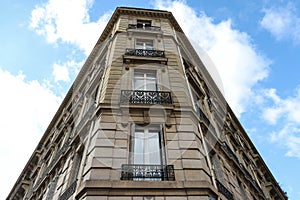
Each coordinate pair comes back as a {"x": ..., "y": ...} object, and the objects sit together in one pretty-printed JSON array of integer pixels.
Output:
[{"x": 145, "y": 120}]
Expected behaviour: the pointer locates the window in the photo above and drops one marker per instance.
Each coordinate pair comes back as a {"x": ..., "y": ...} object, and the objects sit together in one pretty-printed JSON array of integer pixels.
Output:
[
  {"x": 196, "y": 99},
  {"x": 146, "y": 146},
  {"x": 143, "y": 24},
  {"x": 147, "y": 159},
  {"x": 144, "y": 44},
  {"x": 145, "y": 80},
  {"x": 242, "y": 189},
  {"x": 76, "y": 166}
]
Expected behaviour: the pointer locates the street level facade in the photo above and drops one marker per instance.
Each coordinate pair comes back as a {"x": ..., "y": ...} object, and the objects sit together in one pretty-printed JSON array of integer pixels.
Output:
[{"x": 144, "y": 120}]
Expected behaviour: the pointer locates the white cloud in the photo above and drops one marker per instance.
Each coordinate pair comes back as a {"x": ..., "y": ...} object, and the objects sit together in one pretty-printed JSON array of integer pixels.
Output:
[
  {"x": 287, "y": 108},
  {"x": 282, "y": 22},
  {"x": 60, "y": 73},
  {"x": 284, "y": 113},
  {"x": 239, "y": 64},
  {"x": 68, "y": 21},
  {"x": 63, "y": 71},
  {"x": 289, "y": 137},
  {"x": 26, "y": 110}
]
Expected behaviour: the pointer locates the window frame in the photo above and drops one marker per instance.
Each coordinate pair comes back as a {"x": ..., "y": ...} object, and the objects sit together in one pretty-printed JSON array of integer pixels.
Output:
[
  {"x": 147, "y": 80},
  {"x": 161, "y": 150},
  {"x": 141, "y": 23},
  {"x": 145, "y": 43}
]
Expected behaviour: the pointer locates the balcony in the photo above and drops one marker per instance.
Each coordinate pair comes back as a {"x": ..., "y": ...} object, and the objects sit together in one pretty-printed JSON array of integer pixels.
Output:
[
  {"x": 223, "y": 190},
  {"x": 145, "y": 53},
  {"x": 147, "y": 172},
  {"x": 53, "y": 163},
  {"x": 86, "y": 117},
  {"x": 230, "y": 152},
  {"x": 247, "y": 173},
  {"x": 69, "y": 191},
  {"x": 145, "y": 97},
  {"x": 203, "y": 117},
  {"x": 141, "y": 27}
]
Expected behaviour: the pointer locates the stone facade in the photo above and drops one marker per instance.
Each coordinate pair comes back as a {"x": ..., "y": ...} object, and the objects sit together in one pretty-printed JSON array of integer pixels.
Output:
[{"x": 144, "y": 120}]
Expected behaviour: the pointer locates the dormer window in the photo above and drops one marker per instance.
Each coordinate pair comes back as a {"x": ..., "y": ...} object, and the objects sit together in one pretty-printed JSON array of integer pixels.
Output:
[{"x": 143, "y": 24}]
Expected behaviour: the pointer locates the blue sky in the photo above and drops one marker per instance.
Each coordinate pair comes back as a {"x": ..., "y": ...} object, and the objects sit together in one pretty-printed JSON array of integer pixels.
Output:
[{"x": 255, "y": 46}]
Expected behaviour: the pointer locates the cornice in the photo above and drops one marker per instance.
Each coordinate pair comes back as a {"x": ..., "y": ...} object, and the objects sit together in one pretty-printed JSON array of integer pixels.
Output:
[{"x": 137, "y": 12}]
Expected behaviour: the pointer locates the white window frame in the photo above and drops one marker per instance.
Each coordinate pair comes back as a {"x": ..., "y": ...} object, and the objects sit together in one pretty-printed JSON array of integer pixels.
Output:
[
  {"x": 146, "y": 44},
  {"x": 137, "y": 136},
  {"x": 143, "y": 23},
  {"x": 145, "y": 78}
]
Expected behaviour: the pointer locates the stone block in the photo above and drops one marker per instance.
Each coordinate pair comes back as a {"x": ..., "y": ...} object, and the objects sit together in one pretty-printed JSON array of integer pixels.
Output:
[
  {"x": 118, "y": 162},
  {"x": 119, "y": 198},
  {"x": 103, "y": 142},
  {"x": 172, "y": 153},
  {"x": 193, "y": 175},
  {"x": 120, "y": 153},
  {"x": 105, "y": 134},
  {"x": 188, "y": 144},
  {"x": 189, "y": 164},
  {"x": 99, "y": 174},
  {"x": 187, "y": 153},
  {"x": 198, "y": 198},
  {"x": 102, "y": 152},
  {"x": 190, "y": 136},
  {"x": 171, "y": 136},
  {"x": 95, "y": 198},
  {"x": 102, "y": 162},
  {"x": 176, "y": 198},
  {"x": 172, "y": 144},
  {"x": 121, "y": 143}
]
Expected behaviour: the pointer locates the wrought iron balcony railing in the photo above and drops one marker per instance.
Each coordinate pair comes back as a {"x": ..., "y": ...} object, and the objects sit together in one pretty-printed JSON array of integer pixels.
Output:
[
  {"x": 230, "y": 152},
  {"x": 57, "y": 156},
  {"x": 86, "y": 117},
  {"x": 148, "y": 172},
  {"x": 69, "y": 191},
  {"x": 203, "y": 117},
  {"x": 139, "y": 26},
  {"x": 223, "y": 190},
  {"x": 145, "y": 52},
  {"x": 145, "y": 97},
  {"x": 247, "y": 173}
]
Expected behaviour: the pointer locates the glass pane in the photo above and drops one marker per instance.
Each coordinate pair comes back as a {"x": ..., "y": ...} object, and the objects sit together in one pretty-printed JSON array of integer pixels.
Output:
[
  {"x": 139, "y": 148},
  {"x": 139, "y": 74},
  {"x": 150, "y": 85},
  {"x": 145, "y": 80},
  {"x": 139, "y": 84},
  {"x": 151, "y": 74},
  {"x": 143, "y": 44},
  {"x": 154, "y": 148},
  {"x": 139, "y": 46},
  {"x": 143, "y": 23}
]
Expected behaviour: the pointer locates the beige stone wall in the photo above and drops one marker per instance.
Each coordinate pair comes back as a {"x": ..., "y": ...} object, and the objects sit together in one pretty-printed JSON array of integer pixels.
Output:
[{"x": 96, "y": 125}]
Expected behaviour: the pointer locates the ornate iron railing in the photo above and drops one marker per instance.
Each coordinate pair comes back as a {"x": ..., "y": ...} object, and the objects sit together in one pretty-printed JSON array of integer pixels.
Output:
[
  {"x": 149, "y": 28},
  {"x": 247, "y": 173},
  {"x": 230, "y": 152},
  {"x": 86, "y": 116},
  {"x": 145, "y": 97},
  {"x": 147, "y": 172},
  {"x": 203, "y": 117},
  {"x": 257, "y": 186},
  {"x": 69, "y": 191},
  {"x": 223, "y": 190},
  {"x": 57, "y": 156},
  {"x": 145, "y": 52}
]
